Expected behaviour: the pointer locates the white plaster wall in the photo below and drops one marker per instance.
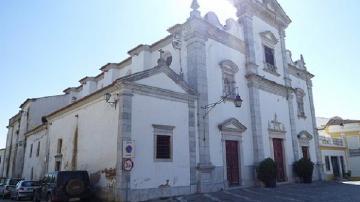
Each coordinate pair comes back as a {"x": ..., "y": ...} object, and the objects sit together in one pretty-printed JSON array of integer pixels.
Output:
[
  {"x": 13, "y": 149},
  {"x": 161, "y": 80},
  {"x": 100, "y": 83},
  {"x": 304, "y": 123},
  {"x": 354, "y": 166},
  {"x": 148, "y": 173},
  {"x": 37, "y": 163},
  {"x": 97, "y": 137},
  {"x": 2, "y": 156},
  {"x": 348, "y": 127},
  {"x": 44, "y": 106},
  {"x": 258, "y": 27},
  {"x": 216, "y": 52},
  {"x": 110, "y": 76},
  {"x": 88, "y": 88},
  {"x": 270, "y": 105}
]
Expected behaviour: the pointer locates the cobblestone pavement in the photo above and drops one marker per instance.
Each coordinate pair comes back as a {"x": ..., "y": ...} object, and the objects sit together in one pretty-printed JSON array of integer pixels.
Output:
[{"x": 315, "y": 192}]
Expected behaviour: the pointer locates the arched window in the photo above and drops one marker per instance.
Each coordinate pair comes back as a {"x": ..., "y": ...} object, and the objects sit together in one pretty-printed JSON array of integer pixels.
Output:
[
  {"x": 229, "y": 69},
  {"x": 300, "y": 102}
]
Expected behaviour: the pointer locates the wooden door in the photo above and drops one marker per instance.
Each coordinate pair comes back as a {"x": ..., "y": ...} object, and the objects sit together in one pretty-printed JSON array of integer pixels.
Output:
[
  {"x": 335, "y": 166},
  {"x": 279, "y": 159},
  {"x": 232, "y": 162}
]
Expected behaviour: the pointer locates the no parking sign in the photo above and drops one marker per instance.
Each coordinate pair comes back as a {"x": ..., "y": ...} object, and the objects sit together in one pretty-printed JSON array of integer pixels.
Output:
[{"x": 128, "y": 149}]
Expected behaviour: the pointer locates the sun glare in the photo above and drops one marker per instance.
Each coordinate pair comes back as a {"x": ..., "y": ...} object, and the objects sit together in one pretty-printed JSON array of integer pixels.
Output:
[{"x": 223, "y": 8}]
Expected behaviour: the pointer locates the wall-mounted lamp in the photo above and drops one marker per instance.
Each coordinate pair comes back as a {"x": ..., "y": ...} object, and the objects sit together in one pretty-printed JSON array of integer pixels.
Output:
[
  {"x": 207, "y": 108},
  {"x": 237, "y": 102},
  {"x": 108, "y": 96}
]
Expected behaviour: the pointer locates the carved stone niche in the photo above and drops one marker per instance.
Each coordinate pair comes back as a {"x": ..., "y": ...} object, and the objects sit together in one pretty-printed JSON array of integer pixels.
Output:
[
  {"x": 304, "y": 138},
  {"x": 232, "y": 125},
  {"x": 269, "y": 39},
  {"x": 276, "y": 128}
]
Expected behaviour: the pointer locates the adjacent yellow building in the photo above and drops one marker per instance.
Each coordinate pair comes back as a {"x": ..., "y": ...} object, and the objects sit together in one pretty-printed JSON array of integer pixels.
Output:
[{"x": 340, "y": 147}]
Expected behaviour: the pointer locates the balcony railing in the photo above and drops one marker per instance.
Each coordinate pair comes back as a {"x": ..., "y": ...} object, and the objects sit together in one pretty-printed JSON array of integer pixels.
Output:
[
  {"x": 354, "y": 152},
  {"x": 328, "y": 141}
]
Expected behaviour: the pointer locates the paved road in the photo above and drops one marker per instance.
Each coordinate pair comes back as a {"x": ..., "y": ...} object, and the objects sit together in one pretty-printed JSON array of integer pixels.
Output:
[{"x": 316, "y": 192}]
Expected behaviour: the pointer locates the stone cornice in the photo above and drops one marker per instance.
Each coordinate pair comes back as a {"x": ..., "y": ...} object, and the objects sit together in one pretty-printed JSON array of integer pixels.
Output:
[
  {"x": 199, "y": 28},
  {"x": 83, "y": 101},
  {"x": 36, "y": 130},
  {"x": 267, "y": 85},
  {"x": 299, "y": 73},
  {"x": 277, "y": 18},
  {"x": 157, "y": 92}
]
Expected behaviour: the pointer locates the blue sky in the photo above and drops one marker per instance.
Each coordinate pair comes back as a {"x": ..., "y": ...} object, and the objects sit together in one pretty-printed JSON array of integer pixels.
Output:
[{"x": 48, "y": 45}]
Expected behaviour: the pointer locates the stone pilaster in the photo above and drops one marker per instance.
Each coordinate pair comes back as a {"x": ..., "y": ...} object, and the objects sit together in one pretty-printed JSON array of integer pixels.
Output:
[
  {"x": 319, "y": 164},
  {"x": 290, "y": 98},
  {"x": 197, "y": 79},
  {"x": 245, "y": 18},
  {"x": 124, "y": 134},
  {"x": 7, "y": 152},
  {"x": 192, "y": 146}
]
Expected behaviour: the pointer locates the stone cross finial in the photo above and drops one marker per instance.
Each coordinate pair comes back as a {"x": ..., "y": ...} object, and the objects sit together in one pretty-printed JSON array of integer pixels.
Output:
[
  {"x": 161, "y": 61},
  {"x": 195, "y": 6}
]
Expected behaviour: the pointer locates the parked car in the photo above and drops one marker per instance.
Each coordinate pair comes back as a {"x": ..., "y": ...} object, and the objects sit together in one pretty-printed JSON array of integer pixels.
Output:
[
  {"x": 64, "y": 186},
  {"x": 7, "y": 186},
  {"x": 24, "y": 189}
]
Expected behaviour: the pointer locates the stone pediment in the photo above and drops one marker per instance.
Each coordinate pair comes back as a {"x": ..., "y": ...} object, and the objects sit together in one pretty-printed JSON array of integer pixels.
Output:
[
  {"x": 160, "y": 77},
  {"x": 304, "y": 138},
  {"x": 304, "y": 135},
  {"x": 269, "y": 38},
  {"x": 232, "y": 125}
]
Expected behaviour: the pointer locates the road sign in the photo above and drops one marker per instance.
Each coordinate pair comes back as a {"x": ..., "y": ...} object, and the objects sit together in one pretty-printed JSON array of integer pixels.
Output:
[{"x": 129, "y": 149}]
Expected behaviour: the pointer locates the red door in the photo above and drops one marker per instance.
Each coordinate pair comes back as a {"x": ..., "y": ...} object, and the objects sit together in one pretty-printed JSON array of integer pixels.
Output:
[
  {"x": 232, "y": 162},
  {"x": 279, "y": 159}
]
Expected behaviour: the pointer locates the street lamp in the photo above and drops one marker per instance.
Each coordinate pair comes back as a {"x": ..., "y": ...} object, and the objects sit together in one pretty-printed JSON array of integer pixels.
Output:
[
  {"x": 237, "y": 102},
  {"x": 108, "y": 96}
]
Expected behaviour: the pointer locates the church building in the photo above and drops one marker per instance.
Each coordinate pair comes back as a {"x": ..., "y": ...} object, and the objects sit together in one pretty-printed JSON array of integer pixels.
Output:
[{"x": 193, "y": 112}]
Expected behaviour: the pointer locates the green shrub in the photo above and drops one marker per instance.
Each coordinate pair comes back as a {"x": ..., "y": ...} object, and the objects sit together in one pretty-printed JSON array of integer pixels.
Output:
[
  {"x": 304, "y": 168},
  {"x": 266, "y": 171}
]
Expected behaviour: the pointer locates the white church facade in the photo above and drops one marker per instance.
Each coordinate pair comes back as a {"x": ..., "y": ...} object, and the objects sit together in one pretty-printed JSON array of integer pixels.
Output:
[{"x": 193, "y": 112}]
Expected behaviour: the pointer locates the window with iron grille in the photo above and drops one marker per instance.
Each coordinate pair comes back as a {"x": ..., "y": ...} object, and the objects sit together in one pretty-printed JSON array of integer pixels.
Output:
[
  {"x": 229, "y": 70},
  {"x": 300, "y": 94},
  {"x": 163, "y": 147},
  {"x": 38, "y": 149},
  {"x": 59, "y": 146},
  {"x": 31, "y": 148},
  {"x": 163, "y": 142},
  {"x": 269, "y": 56}
]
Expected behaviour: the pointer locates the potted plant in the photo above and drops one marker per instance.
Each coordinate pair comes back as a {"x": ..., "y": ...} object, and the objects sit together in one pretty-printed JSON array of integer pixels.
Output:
[
  {"x": 266, "y": 172},
  {"x": 304, "y": 168}
]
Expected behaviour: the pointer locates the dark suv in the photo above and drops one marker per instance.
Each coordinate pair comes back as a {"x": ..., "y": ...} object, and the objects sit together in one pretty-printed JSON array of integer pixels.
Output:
[{"x": 64, "y": 186}]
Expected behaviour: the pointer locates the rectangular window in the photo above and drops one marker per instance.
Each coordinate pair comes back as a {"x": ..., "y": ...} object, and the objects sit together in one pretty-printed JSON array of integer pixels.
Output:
[
  {"x": 163, "y": 142},
  {"x": 163, "y": 147},
  {"x": 269, "y": 56},
  {"x": 31, "y": 148},
  {"x": 57, "y": 165},
  {"x": 327, "y": 163},
  {"x": 229, "y": 85},
  {"x": 38, "y": 149},
  {"x": 59, "y": 146}
]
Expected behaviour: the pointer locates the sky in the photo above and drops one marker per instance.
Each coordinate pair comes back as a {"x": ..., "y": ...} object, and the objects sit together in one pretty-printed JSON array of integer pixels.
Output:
[{"x": 49, "y": 45}]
